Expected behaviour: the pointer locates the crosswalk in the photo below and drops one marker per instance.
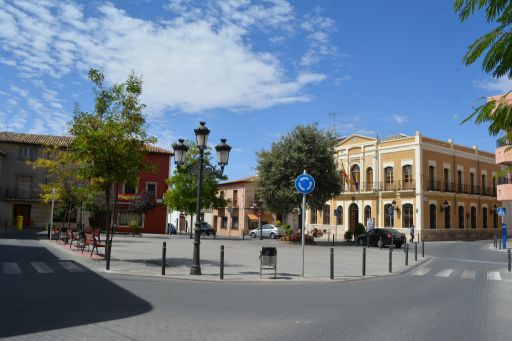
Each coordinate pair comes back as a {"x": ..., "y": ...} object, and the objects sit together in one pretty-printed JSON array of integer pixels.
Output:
[
  {"x": 466, "y": 274},
  {"x": 15, "y": 268}
]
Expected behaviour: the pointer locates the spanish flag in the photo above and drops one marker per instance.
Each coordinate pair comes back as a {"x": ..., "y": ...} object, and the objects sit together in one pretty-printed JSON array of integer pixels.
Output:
[{"x": 344, "y": 174}]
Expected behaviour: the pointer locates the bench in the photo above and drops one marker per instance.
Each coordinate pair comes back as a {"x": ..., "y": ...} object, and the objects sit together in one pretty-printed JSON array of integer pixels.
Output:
[
  {"x": 127, "y": 230},
  {"x": 70, "y": 236},
  {"x": 91, "y": 240}
]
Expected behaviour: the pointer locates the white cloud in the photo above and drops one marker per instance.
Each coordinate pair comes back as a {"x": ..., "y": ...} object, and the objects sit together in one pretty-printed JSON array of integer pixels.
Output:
[
  {"x": 201, "y": 59},
  {"x": 319, "y": 29},
  {"x": 399, "y": 119},
  {"x": 500, "y": 85}
]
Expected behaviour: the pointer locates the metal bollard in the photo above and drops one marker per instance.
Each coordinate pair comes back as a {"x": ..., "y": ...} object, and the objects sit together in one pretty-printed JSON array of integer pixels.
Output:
[
  {"x": 406, "y": 254},
  {"x": 333, "y": 239},
  {"x": 108, "y": 251},
  {"x": 415, "y": 251},
  {"x": 509, "y": 260},
  {"x": 390, "y": 258},
  {"x": 222, "y": 262},
  {"x": 494, "y": 242},
  {"x": 164, "y": 246},
  {"x": 423, "y": 249},
  {"x": 332, "y": 263},
  {"x": 364, "y": 261},
  {"x": 499, "y": 244}
]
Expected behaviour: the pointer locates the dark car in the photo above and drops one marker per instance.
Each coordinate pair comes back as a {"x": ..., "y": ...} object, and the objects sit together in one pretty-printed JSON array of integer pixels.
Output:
[
  {"x": 381, "y": 237},
  {"x": 172, "y": 229},
  {"x": 207, "y": 229}
]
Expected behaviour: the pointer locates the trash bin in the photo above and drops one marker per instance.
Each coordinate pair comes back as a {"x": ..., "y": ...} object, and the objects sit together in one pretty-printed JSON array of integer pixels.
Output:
[
  {"x": 268, "y": 259},
  {"x": 19, "y": 223}
]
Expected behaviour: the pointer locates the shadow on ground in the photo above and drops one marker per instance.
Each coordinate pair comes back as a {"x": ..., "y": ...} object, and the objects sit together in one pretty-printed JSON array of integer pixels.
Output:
[{"x": 34, "y": 302}]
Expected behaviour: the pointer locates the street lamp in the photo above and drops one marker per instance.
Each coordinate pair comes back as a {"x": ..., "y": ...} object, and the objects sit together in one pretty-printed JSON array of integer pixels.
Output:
[
  {"x": 391, "y": 212},
  {"x": 180, "y": 149},
  {"x": 257, "y": 206}
]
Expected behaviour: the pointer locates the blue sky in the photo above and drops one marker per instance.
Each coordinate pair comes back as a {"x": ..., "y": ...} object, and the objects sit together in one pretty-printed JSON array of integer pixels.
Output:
[{"x": 251, "y": 69}]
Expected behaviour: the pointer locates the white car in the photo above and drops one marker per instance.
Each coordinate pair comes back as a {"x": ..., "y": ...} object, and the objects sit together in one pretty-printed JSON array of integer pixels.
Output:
[{"x": 269, "y": 231}]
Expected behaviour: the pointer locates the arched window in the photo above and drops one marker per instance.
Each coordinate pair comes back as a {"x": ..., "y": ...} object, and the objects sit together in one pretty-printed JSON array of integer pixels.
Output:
[
  {"x": 473, "y": 217},
  {"x": 389, "y": 217},
  {"x": 484, "y": 217},
  {"x": 313, "y": 218},
  {"x": 407, "y": 215},
  {"x": 355, "y": 175},
  {"x": 369, "y": 179},
  {"x": 339, "y": 216},
  {"x": 433, "y": 216},
  {"x": 367, "y": 214},
  {"x": 388, "y": 178},
  {"x": 448, "y": 217},
  {"x": 326, "y": 215},
  {"x": 461, "y": 217},
  {"x": 407, "y": 177}
]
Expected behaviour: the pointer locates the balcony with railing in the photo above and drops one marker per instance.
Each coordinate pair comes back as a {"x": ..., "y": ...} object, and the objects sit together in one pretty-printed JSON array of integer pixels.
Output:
[
  {"x": 360, "y": 187},
  {"x": 504, "y": 151},
  {"x": 19, "y": 194}
]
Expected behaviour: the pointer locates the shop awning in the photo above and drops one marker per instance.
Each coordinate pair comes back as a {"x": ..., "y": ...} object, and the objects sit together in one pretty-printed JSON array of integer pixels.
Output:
[{"x": 265, "y": 217}]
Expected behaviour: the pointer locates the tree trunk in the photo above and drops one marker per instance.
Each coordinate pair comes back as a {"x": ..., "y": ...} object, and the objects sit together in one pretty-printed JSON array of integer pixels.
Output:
[
  {"x": 69, "y": 216},
  {"x": 114, "y": 218}
]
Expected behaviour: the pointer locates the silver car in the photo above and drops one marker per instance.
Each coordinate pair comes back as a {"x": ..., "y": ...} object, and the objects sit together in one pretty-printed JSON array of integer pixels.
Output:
[{"x": 269, "y": 231}]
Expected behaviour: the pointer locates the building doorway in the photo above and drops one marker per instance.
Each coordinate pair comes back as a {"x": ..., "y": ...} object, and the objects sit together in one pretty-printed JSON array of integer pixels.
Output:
[
  {"x": 21, "y": 210},
  {"x": 354, "y": 216}
]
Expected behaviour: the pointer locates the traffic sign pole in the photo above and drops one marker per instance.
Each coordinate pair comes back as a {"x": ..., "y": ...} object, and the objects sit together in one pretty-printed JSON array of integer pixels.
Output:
[{"x": 304, "y": 184}]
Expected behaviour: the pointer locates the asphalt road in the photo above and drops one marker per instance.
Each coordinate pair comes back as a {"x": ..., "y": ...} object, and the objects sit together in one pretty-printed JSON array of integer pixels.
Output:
[{"x": 462, "y": 293}]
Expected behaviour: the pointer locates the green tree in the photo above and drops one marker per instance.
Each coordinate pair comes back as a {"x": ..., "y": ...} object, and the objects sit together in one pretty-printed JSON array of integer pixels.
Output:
[
  {"x": 182, "y": 192},
  {"x": 63, "y": 172},
  {"x": 112, "y": 139},
  {"x": 496, "y": 48},
  {"x": 305, "y": 148}
]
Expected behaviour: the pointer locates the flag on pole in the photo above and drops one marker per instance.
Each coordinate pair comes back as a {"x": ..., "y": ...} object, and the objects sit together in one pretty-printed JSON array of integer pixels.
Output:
[{"x": 344, "y": 174}]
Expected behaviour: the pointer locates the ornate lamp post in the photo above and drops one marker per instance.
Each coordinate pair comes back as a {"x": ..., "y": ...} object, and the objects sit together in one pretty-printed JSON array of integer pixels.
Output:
[
  {"x": 393, "y": 208},
  {"x": 180, "y": 149},
  {"x": 257, "y": 206}
]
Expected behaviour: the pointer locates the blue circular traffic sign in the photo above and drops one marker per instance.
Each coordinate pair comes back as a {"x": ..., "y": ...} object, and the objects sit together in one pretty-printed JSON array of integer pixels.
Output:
[{"x": 305, "y": 183}]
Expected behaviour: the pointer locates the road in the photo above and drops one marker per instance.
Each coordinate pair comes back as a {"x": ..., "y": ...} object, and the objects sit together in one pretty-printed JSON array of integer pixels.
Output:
[{"x": 462, "y": 293}]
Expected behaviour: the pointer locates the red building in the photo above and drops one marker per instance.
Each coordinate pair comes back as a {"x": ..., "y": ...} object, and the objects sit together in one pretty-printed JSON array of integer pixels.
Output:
[{"x": 143, "y": 202}]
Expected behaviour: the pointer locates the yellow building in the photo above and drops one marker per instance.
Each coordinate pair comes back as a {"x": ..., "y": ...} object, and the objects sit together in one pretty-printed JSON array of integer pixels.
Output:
[{"x": 447, "y": 191}]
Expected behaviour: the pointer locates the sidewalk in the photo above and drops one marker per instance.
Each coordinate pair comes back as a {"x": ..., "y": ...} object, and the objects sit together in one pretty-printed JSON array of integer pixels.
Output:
[{"x": 143, "y": 257}]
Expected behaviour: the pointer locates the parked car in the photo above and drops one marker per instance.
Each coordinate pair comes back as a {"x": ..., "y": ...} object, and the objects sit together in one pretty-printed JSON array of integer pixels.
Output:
[
  {"x": 381, "y": 237},
  {"x": 268, "y": 230},
  {"x": 207, "y": 229},
  {"x": 172, "y": 229}
]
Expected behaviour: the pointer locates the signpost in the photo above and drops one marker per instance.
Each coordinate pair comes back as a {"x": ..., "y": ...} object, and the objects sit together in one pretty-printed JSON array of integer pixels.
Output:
[
  {"x": 304, "y": 184},
  {"x": 501, "y": 213}
]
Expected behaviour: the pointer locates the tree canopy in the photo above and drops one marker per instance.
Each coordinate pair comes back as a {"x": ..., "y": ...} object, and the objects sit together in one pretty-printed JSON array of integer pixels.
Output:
[
  {"x": 304, "y": 148},
  {"x": 496, "y": 48},
  {"x": 111, "y": 141}
]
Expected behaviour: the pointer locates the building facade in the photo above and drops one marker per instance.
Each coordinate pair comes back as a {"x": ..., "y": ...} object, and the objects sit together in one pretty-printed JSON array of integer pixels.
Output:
[
  {"x": 20, "y": 190},
  {"x": 238, "y": 217},
  {"x": 446, "y": 191}
]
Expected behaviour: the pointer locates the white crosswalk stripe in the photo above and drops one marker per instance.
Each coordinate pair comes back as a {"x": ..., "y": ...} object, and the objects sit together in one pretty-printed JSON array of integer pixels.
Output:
[
  {"x": 11, "y": 268},
  {"x": 41, "y": 267},
  {"x": 71, "y": 267},
  {"x": 467, "y": 274},
  {"x": 445, "y": 273},
  {"x": 493, "y": 276},
  {"x": 421, "y": 271}
]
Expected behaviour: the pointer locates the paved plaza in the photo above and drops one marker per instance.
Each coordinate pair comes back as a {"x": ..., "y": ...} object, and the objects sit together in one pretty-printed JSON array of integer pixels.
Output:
[{"x": 143, "y": 256}]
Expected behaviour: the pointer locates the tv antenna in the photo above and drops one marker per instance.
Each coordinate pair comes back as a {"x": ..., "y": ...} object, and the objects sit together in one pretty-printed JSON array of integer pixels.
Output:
[{"x": 333, "y": 126}]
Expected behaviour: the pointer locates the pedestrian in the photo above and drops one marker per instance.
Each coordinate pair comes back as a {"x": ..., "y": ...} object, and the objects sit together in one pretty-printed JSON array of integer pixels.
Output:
[{"x": 411, "y": 231}]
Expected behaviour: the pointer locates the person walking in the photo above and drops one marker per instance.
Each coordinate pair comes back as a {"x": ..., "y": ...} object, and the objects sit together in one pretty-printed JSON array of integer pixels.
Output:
[{"x": 411, "y": 232}]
